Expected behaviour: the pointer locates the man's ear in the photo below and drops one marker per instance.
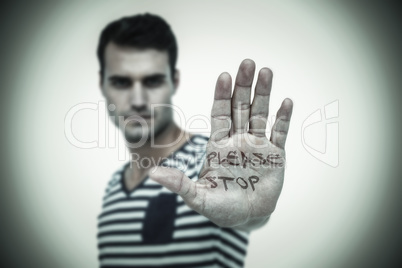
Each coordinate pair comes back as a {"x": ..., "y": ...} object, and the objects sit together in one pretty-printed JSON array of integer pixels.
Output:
[
  {"x": 176, "y": 80},
  {"x": 101, "y": 83}
]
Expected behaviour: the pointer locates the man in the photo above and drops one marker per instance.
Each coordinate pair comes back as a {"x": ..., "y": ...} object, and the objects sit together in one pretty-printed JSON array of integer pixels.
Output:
[{"x": 155, "y": 215}]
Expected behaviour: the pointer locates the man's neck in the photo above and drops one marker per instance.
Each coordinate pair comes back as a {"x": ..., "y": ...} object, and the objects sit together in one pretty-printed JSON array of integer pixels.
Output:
[{"x": 152, "y": 153}]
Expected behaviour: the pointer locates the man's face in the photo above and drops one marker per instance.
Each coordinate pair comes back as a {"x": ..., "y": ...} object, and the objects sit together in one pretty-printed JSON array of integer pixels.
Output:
[{"x": 134, "y": 80}]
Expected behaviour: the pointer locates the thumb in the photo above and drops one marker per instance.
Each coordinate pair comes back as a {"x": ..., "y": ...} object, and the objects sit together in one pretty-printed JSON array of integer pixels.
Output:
[{"x": 176, "y": 181}]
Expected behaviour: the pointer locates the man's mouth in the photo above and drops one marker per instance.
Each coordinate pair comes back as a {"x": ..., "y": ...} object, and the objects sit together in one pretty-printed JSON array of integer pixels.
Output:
[{"x": 137, "y": 116}]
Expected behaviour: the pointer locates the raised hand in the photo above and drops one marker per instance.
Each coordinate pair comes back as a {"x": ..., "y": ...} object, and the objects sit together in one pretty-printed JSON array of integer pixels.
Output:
[{"x": 242, "y": 177}]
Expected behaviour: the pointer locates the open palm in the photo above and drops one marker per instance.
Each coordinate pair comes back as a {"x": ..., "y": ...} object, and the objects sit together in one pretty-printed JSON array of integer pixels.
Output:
[{"x": 242, "y": 177}]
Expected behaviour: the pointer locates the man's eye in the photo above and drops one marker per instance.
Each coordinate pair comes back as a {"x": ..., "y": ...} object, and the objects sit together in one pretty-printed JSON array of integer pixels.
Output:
[
  {"x": 121, "y": 83},
  {"x": 153, "y": 82}
]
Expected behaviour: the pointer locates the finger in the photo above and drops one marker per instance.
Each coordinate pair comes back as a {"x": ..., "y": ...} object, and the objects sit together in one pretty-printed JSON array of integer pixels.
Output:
[
  {"x": 260, "y": 106},
  {"x": 220, "y": 114},
  {"x": 281, "y": 125},
  {"x": 241, "y": 96},
  {"x": 177, "y": 182}
]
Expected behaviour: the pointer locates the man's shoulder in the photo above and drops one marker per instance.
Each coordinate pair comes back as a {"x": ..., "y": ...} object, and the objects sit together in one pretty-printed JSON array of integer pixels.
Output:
[
  {"x": 194, "y": 148},
  {"x": 189, "y": 157},
  {"x": 115, "y": 180},
  {"x": 199, "y": 139},
  {"x": 196, "y": 142}
]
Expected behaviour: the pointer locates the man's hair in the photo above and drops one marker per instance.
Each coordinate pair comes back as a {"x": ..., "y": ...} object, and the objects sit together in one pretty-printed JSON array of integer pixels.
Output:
[{"x": 139, "y": 31}]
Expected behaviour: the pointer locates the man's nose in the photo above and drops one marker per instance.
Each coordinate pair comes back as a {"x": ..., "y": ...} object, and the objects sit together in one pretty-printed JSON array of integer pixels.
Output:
[{"x": 138, "y": 97}]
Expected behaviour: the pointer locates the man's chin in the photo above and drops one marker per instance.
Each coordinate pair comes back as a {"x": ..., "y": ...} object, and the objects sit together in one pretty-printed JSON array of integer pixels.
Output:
[
  {"x": 137, "y": 136},
  {"x": 137, "y": 139}
]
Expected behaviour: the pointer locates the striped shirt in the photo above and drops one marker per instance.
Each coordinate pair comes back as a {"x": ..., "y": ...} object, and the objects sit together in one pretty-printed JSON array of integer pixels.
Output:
[{"x": 152, "y": 227}]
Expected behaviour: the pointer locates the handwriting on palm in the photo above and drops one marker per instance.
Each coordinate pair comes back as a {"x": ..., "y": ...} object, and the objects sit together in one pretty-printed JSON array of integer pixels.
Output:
[{"x": 242, "y": 176}]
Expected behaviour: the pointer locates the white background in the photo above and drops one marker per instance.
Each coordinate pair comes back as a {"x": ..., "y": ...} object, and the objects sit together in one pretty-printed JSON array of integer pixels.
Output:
[{"x": 318, "y": 53}]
